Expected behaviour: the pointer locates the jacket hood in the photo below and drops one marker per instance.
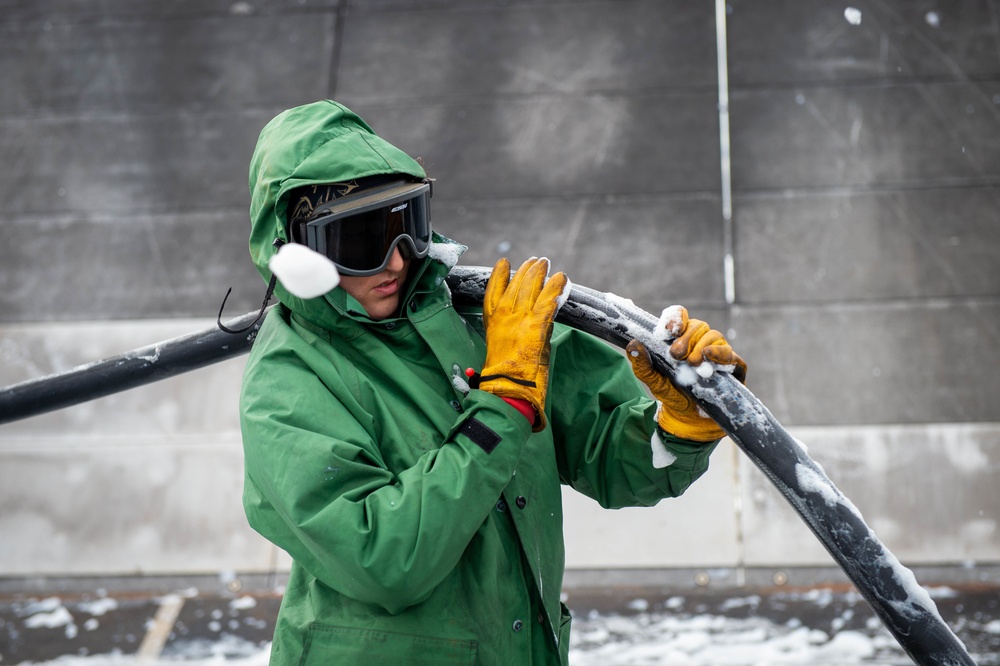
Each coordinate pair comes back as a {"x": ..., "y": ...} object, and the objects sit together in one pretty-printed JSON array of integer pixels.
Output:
[{"x": 322, "y": 142}]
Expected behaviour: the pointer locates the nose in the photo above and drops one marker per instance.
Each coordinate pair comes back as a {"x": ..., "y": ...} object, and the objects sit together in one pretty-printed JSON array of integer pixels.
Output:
[{"x": 396, "y": 261}]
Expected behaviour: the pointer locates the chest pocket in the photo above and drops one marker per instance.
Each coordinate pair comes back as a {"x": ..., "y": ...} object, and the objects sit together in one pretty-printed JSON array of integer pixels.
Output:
[{"x": 328, "y": 645}]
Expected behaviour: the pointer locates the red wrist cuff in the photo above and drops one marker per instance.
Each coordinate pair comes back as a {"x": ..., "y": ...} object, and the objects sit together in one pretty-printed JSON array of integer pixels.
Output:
[{"x": 524, "y": 407}]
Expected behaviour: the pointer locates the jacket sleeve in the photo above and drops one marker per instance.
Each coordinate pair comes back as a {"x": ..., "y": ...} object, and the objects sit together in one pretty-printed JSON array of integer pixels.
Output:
[
  {"x": 603, "y": 421},
  {"x": 316, "y": 484}
]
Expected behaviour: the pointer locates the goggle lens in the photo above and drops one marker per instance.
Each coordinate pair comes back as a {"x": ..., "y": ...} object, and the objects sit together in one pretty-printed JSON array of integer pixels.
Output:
[{"x": 361, "y": 241}]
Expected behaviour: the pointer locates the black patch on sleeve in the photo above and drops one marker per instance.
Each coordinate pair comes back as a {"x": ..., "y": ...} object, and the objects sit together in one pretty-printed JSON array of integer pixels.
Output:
[{"x": 484, "y": 438}]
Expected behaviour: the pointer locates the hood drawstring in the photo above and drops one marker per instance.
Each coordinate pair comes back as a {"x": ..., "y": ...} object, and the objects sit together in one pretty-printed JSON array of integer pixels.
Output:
[{"x": 267, "y": 297}]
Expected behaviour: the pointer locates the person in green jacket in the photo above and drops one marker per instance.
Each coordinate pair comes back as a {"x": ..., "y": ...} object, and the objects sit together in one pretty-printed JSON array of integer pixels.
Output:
[{"x": 421, "y": 506}]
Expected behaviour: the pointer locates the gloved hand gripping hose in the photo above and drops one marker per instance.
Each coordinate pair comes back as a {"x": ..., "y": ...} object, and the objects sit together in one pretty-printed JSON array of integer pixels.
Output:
[{"x": 892, "y": 591}]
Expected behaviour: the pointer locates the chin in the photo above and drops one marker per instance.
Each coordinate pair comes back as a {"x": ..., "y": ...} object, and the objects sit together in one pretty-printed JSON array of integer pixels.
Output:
[{"x": 384, "y": 309}]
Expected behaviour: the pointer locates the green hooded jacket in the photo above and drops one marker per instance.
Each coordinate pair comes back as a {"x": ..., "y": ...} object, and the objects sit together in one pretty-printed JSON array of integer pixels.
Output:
[{"x": 415, "y": 537}]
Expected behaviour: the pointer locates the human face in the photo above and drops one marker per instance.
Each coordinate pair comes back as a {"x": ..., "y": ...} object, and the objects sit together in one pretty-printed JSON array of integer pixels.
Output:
[{"x": 379, "y": 294}]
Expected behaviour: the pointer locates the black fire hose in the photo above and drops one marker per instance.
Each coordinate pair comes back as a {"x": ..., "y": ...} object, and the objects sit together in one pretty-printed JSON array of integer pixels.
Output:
[{"x": 890, "y": 589}]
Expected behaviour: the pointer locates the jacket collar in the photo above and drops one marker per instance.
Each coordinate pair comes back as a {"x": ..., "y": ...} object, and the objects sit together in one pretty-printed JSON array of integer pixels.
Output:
[{"x": 339, "y": 312}]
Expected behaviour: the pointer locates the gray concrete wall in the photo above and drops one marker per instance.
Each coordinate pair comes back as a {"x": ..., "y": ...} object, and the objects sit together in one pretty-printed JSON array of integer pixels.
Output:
[{"x": 864, "y": 231}]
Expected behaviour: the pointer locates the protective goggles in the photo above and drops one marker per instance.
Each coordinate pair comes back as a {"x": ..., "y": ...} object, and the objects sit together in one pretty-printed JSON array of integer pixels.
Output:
[{"x": 360, "y": 231}]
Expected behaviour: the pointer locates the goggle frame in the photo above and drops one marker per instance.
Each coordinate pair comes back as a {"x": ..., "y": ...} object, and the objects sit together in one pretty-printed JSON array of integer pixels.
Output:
[{"x": 315, "y": 231}]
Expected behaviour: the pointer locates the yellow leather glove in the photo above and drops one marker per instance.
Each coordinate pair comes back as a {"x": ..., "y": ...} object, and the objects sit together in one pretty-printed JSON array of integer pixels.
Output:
[
  {"x": 695, "y": 342},
  {"x": 518, "y": 314}
]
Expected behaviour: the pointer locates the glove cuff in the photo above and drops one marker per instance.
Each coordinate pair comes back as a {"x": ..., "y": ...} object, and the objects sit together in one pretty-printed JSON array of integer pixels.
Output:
[
  {"x": 503, "y": 386},
  {"x": 703, "y": 431}
]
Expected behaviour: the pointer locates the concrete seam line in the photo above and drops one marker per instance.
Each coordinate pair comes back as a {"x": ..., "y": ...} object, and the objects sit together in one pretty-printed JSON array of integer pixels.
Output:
[{"x": 725, "y": 157}]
